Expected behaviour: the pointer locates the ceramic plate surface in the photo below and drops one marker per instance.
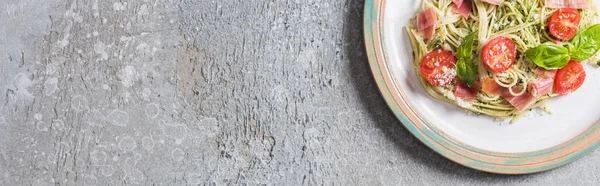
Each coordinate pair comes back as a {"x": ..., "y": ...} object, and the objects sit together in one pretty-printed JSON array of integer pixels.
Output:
[{"x": 537, "y": 142}]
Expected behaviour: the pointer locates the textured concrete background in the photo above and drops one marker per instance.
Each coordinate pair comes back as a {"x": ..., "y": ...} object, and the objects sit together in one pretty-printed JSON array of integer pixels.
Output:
[{"x": 188, "y": 92}]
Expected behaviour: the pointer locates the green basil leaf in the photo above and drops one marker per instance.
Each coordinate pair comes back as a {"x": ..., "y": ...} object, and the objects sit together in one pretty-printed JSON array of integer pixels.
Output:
[
  {"x": 585, "y": 44},
  {"x": 466, "y": 70},
  {"x": 465, "y": 50},
  {"x": 549, "y": 55}
]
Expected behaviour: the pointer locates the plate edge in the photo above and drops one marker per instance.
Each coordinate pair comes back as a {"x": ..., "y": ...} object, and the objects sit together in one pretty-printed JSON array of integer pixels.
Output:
[{"x": 518, "y": 166}]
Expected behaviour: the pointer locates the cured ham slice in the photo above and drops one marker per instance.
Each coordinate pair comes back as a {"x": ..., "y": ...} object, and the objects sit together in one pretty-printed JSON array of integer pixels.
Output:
[
  {"x": 426, "y": 21},
  {"x": 458, "y": 3},
  {"x": 494, "y": 2},
  {"x": 544, "y": 85},
  {"x": 577, "y": 4},
  {"x": 464, "y": 8},
  {"x": 429, "y": 32},
  {"x": 489, "y": 85},
  {"x": 543, "y": 73},
  {"x": 519, "y": 102},
  {"x": 461, "y": 90},
  {"x": 541, "y": 87},
  {"x": 426, "y": 18}
]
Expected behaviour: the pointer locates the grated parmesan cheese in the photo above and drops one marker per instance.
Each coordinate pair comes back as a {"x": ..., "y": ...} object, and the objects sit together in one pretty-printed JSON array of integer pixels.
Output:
[
  {"x": 463, "y": 103},
  {"x": 446, "y": 76},
  {"x": 483, "y": 40},
  {"x": 503, "y": 46},
  {"x": 502, "y": 121},
  {"x": 447, "y": 93},
  {"x": 447, "y": 47},
  {"x": 534, "y": 113}
]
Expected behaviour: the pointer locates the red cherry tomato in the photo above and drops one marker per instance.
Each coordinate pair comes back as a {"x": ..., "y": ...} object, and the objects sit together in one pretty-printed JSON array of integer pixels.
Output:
[
  {"x": 438, "y": 67},
  {"x": 569, "y": 78},
  {"x": 499, "y": 54},
  {"x": 564, "y": 22}
]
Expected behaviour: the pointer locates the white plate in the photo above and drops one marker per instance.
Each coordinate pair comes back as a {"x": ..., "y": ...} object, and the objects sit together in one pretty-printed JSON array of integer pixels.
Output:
[
  {"x": 535, "y": 143},
  {"x": 538, "y": 130}
]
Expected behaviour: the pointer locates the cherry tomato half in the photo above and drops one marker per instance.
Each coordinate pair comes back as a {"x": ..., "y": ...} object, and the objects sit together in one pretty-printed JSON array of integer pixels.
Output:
[
  {"x": 564, "y": 22},
  {"x": 438, "y": 67},
  {"x": 499, "y": 54},
  {"x": 569, "y": 78}
]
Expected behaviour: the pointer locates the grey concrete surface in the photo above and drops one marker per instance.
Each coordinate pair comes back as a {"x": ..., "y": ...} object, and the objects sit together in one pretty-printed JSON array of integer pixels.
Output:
[{"x": 205, "y": 92}]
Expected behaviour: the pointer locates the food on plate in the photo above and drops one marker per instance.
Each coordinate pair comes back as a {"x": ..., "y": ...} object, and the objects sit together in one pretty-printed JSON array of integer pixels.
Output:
[{"x": 503, "y": 58}]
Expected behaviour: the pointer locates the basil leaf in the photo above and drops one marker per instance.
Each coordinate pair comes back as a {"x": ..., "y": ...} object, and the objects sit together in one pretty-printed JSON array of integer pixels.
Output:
[
  {"x": 466, "y": 70},
  {"x": 465, "y": 49},
  {"x": 585, "y": 44},
  {"x": 549, "y": 55}
]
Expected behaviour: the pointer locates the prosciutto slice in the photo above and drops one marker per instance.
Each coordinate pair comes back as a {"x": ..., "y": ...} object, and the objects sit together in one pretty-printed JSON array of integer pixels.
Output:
[
  {"x": 541, "y": 87},
  {"x": 544, "y": 85},
  {"x": 489, "y": 85},
  {"x": 577, "y": 4},
  {"x": 519, "y": 102},
  {"x": 426, "y": 21},
  {"x": 464, "y": 8},
  {"x": 494, "y": 2},
  {"x": 429, "y": 32},
  {"x": 458, "y": 3},
  {"x": 543, "y": 73},
  {"x": 461, "y": 90}
]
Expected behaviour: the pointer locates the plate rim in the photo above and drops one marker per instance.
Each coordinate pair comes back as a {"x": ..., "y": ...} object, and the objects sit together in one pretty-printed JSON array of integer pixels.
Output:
[{"x": 469, "y": 156}]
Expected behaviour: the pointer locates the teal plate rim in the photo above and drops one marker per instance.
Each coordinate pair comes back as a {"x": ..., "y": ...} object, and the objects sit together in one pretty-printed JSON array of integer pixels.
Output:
[{"x": 427, "y": 133}]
